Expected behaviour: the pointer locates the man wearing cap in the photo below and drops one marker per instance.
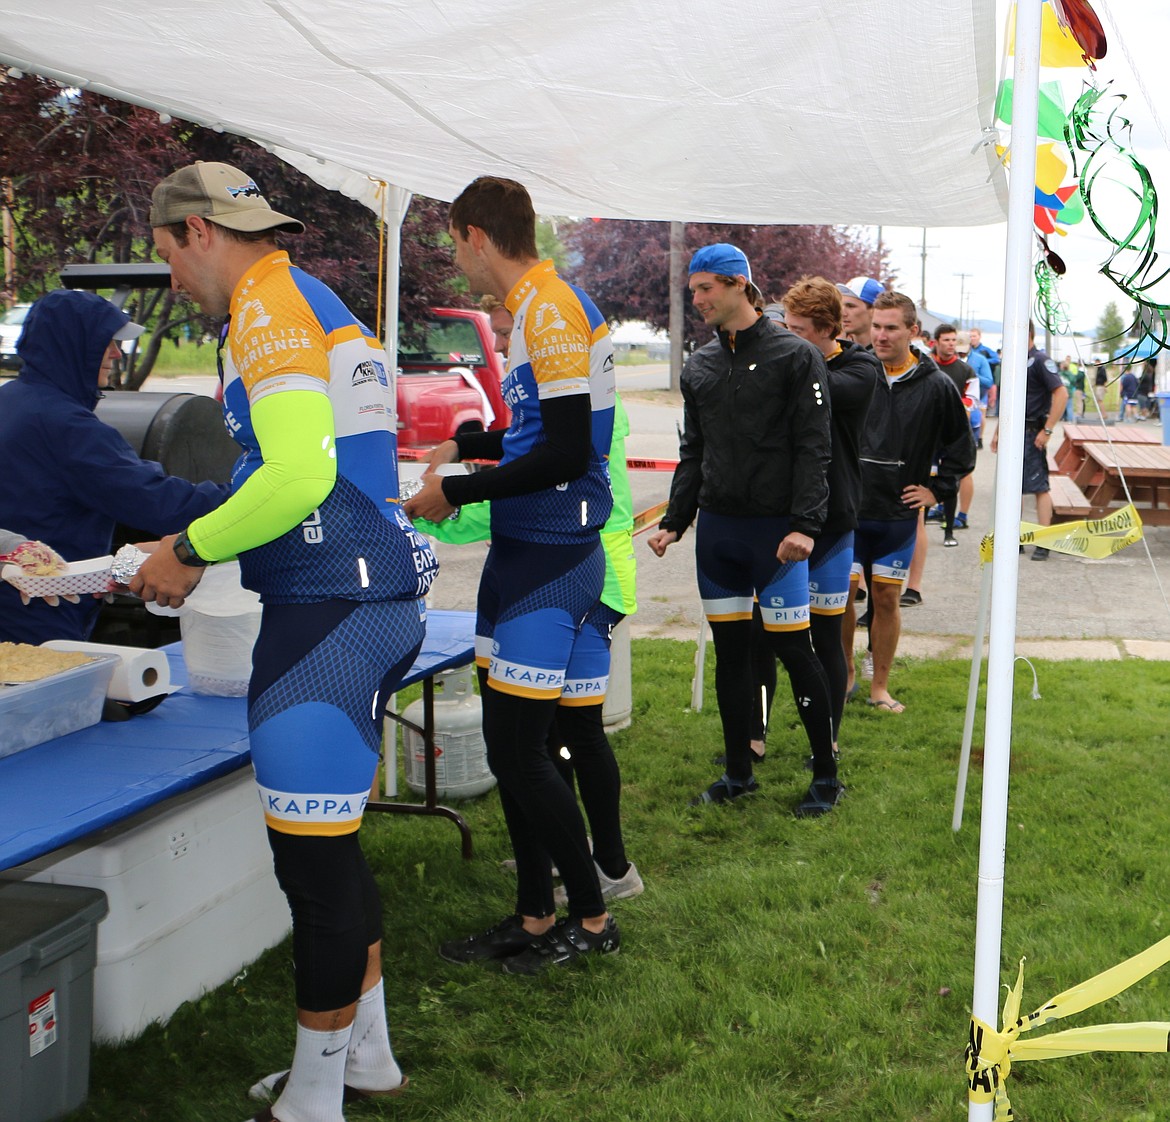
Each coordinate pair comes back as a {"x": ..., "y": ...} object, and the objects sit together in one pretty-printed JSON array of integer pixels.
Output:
[
  {"x": 857, "y": 299},
  {"x": 916, "y": 417},
  {"x": 70, "y": 478},
  {"x": 315, "y": 522},
  {"x": 752, "y": 468}
]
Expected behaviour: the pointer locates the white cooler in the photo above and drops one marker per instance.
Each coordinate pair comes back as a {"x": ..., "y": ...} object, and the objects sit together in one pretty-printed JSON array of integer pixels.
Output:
[{"x": 193, "y": 899}]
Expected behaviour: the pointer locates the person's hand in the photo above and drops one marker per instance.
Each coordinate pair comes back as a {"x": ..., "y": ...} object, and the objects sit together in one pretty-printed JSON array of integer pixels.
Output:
[
  {"x": 795, "y": 547},
  {"x": 430, "y": 503},
  {"x": 660, "y": 539},
  {"x": 445, "y": 453},
  {"x": 995, "y": 440},
  {"x": 916, "y": 495},
  {"x": 1042, "y": 439},
  {"x": 162, "y": 578}
]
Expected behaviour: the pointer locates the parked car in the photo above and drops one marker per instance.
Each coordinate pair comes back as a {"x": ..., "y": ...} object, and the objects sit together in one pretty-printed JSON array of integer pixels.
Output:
[
  {"x": 11, "y": 325},
  {"x": 449, "y": 381}
]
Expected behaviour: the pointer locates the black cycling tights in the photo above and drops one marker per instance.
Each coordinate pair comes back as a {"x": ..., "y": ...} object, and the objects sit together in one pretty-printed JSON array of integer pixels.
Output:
[
  {"x": 737, "y": 693},
  {"x": 336, "y": 913},
  {"x": 540, "y": 808}
]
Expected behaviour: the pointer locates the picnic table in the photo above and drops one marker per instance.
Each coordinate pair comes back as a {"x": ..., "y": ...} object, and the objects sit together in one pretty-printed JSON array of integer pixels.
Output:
[
  {"x": 1070, "y": 456},
  {"x": 1146, "y": 468}
]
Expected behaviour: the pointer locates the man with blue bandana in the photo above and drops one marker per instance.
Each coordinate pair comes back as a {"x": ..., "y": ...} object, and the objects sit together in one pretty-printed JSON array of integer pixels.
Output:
[{"x": 752, "y": 468}]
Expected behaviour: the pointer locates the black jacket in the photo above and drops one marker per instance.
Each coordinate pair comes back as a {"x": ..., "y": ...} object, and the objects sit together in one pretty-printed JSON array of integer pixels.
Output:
[
  {"x": 854, "y": 375},
  {"x": 913, "y": 423},
  {"x": 756, "y": 436}
]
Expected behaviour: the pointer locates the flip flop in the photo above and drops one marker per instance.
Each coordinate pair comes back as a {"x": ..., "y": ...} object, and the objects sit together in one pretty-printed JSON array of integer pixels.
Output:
[
  {"x": 893, "y": 705},
  {"x": 852, "y": 692}
]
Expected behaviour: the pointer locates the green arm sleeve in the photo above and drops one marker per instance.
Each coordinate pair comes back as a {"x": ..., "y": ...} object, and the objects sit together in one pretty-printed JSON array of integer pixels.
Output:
[
  {"x": 294, "y": 429},
  {"x": 472, "y": 525}
]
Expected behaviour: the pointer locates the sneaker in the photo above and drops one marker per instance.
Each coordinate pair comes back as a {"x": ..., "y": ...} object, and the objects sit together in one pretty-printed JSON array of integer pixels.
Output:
[
  {"x": 503, "y": 940},
  {"x": 867, "y": 667},
  {"x": 270, "y": 1087},
  {"x": 822, "y": 796},
  {"x": 908, "y": 599},
  {"x": 565, "y": 942},
  {"x": 1040, "y": 553},
  {"x": 935, "y": 513},
  {"x": 961, "y": 521},
  {"x": 950, "y": 539},
  {"x": 624, "y": 888},
  {"x": 723, "y": 790}
]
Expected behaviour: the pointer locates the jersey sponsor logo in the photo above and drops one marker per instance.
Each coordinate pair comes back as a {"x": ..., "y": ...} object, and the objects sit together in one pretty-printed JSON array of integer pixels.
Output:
[
  {"x": 776, "y": 601},
  {"x": 247, "y": 190},
  {"x": 547, "y": 318},
  {"x": 229, "y": 419},
  {"x": 368, "y": 371},
  {"x": 514, "y": 394},
  {"x": 585, "y": 687},
  {"x": 312, "y": 806},
  {"x": 251, "y": 315},
  {"x": 531, "y": 676},
  {"x": 312, "y": 530}
]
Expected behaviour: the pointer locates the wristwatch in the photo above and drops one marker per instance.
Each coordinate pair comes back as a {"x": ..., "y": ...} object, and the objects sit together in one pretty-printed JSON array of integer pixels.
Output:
[
  {"x": 185, "y": 551},
  {"x": 1047, "y": 432}
]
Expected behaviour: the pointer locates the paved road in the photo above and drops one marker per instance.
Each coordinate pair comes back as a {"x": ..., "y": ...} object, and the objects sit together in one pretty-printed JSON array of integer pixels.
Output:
[{"x": 1065, "y": 597}]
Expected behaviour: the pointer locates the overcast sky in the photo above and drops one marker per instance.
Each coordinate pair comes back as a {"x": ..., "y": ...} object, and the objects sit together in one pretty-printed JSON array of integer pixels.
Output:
[{"x": 1139, "y": 29}]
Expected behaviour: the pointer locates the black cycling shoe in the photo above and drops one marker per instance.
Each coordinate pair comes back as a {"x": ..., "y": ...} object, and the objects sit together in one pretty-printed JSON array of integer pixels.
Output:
[
  {"x": 565, "y": 942},
  {"x": 723, "y": 790},
  {"x": 503, "y": 940}
]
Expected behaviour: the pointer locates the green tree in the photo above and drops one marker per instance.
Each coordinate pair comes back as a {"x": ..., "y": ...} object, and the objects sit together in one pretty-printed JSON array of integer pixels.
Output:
[
  {"x": 82, "y": 167},
  {"x": 1110, "y": 330}
]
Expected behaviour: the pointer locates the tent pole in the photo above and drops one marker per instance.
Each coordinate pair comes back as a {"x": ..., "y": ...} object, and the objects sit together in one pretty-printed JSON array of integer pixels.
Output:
[
  {"x": 1005, "y": 566},
  {"x": 397, "y": 204}
]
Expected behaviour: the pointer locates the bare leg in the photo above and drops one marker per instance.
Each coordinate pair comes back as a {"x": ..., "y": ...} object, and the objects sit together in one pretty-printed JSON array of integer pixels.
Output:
[
  {"x": 884, "y": 633},
  {"x": 848, "y": 628},
  {"x": 966, "y": 493},
  {"x": 917, "y": 562}
]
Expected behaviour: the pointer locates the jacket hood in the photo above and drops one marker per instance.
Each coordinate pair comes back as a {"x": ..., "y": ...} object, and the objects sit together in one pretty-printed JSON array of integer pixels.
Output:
[{"x": 65, "y": 335}]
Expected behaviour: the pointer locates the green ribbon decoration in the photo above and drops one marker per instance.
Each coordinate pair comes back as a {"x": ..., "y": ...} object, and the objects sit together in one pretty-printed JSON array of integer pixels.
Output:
[
  {"x": 1102, "y": 135},
  {"x": 1050, "y": 309}
]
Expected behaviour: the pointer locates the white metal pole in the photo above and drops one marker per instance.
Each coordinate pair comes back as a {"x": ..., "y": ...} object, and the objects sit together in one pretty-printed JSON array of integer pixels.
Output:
[
  {"x": 1005, "y": 567},
  {"x": 395, "y": 207}
]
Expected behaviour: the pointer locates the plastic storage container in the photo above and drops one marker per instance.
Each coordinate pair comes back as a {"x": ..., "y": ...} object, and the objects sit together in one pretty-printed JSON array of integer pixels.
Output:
[
  {"x": 34, "y": 712},
  {"x": 193, "y": 899},
  {"x": 461, "y": 768},
  {"x": 219, "y": 624},
  {"x": 47, "y": 949}
]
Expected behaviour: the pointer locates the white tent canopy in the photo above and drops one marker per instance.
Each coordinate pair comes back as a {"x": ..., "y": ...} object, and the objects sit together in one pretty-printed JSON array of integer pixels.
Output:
[{"x": 754, "y": 112}]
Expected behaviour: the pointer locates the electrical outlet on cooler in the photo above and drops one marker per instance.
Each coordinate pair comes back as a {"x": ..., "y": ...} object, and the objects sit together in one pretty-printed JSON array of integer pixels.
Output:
[{"x": 179, "y": 843}]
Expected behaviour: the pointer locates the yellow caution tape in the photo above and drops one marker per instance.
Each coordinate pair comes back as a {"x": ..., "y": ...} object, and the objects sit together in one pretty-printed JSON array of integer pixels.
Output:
[
  {"x": 1097, "y": 538},
  {"x": 990, "y": 1054}
]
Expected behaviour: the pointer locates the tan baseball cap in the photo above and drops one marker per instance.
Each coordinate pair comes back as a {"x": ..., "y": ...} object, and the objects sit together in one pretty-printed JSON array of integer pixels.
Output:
[{"x": 220, "y": 193}]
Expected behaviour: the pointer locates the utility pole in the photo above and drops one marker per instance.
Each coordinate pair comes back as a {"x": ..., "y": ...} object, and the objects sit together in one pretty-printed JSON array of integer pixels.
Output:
[
  {"x": 676, "y": 313},
  {"x": 922, "y": 289},
  {"x": 962, "y": 294}
]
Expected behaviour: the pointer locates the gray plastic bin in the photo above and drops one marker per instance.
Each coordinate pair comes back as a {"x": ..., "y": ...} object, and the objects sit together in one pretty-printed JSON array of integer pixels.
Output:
[{"x": 48, "y": 944}]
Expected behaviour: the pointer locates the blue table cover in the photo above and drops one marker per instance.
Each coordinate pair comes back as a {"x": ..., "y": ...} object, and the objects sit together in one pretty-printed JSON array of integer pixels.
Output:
[{"x": 67, "y": 788}]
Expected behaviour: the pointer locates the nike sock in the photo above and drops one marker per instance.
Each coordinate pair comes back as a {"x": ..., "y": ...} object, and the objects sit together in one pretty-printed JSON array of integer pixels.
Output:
[
  {"x": 370, "y": 1065},
  {"x": 316, "y": 1081}
]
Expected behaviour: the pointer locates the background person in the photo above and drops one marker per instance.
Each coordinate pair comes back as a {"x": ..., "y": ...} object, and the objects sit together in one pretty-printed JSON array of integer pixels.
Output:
[
  {"x": 69, "y": 477},
  {"x": 315, "y": 522}
]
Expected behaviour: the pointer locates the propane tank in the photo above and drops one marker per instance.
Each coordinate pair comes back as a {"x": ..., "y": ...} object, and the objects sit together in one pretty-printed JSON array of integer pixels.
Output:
[{"x": 461, "y": 768}]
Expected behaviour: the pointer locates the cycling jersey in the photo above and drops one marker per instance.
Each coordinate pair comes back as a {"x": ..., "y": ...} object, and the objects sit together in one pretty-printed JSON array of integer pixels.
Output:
[{"x": 290, "y": 336}]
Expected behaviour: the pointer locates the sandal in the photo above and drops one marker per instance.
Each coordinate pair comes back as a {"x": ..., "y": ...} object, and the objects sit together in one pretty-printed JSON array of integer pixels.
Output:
[
  {"x": 822, "y": 796},
  {"x": 890, "y": 705},
  {"x": 724, "y": 790}
]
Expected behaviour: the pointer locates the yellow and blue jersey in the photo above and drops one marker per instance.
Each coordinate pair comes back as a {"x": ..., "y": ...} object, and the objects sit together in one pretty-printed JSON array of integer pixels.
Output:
[
  {"x": 289, "y": 331},
  {"x": 560, "y": 346}
]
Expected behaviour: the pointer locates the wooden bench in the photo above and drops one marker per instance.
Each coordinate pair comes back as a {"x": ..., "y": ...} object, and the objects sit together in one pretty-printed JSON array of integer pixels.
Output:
[{"x": 1069, "y": 502}]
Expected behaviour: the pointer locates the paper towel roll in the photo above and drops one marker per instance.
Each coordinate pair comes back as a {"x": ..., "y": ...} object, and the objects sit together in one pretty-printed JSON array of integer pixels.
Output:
[{"x": 139, "y": 674}]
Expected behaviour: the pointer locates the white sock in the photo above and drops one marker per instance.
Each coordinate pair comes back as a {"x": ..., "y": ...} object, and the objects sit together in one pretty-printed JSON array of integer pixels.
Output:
[
  {"x": 370, "y": 1065},
  {"x": 316, "y": 1081}
]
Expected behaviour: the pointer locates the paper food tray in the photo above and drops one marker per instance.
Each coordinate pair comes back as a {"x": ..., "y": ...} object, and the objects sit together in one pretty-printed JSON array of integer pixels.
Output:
[{"x": 80, "y": 578}]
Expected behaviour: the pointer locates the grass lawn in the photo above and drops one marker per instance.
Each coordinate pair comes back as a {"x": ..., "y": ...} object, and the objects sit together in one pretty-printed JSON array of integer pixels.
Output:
[{"x": 774, "y": 968}]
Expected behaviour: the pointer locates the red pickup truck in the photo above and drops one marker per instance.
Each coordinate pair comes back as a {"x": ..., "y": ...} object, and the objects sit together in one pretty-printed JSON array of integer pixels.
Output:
[{"x": 449, "y": 381}]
